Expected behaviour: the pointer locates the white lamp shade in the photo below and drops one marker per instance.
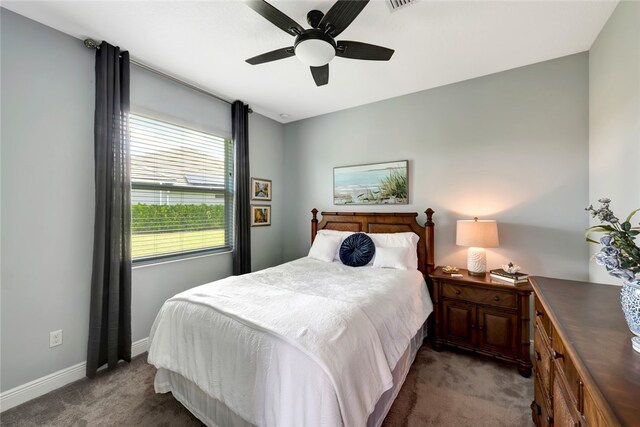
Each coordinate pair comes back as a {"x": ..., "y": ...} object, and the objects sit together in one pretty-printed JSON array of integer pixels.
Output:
[{"x": 477, "y": 233}]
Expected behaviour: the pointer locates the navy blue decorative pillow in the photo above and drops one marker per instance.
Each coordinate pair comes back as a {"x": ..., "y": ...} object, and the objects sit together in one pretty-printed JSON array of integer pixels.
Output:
[{"x": 357, "y": 250}]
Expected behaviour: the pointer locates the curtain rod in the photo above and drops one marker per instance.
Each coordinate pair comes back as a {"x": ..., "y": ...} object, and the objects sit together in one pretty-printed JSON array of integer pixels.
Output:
[{"x": 91, "y": 44}]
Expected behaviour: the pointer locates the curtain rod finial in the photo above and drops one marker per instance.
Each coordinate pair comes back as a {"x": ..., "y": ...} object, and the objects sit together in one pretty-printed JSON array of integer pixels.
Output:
[{"x": 90, "y": 44}]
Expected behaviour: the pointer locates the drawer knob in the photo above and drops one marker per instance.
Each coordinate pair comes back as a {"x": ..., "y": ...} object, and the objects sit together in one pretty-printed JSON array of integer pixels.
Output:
[
  {"x": 457, "y": 291},
  {"x": 496, "y": 298},
  {"x": 538, "y": 358},
  {"x": 549, "y": 419},
  {"x": 538, "y": 313},
  {"x": 557, "y": 355}
]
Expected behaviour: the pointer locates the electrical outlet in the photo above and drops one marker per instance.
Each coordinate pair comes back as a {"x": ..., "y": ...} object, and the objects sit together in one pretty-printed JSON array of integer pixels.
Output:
[{"x": 55, "y": 338}]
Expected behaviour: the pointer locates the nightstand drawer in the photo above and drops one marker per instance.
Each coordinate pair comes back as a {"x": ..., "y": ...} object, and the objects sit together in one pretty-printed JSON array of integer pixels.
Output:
[{"x": 479, "y": 295}]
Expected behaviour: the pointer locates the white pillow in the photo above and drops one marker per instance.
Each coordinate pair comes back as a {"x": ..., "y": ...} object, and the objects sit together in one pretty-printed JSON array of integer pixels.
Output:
[
  {"x": 392, "y": 257},
  {"x": 399, "y": 240},
  {"x": 342, "y": 234},
  {"x": 325, "y": 247}
]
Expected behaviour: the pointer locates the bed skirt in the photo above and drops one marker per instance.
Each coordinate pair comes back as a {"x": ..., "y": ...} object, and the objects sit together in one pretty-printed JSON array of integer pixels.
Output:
[{"x": 214, "y": 413}]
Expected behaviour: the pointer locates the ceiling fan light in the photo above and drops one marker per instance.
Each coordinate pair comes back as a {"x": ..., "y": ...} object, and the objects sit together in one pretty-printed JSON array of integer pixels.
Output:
[{"x": 315, "y": 52}]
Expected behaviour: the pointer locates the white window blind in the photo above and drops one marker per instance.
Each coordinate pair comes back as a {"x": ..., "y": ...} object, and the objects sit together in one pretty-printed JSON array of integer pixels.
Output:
[{"x": 181, "y": 190}]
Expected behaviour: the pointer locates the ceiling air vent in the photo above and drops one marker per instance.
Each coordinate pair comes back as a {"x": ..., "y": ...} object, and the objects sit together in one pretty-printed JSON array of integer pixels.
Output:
[{"x": 399, "y": 4}]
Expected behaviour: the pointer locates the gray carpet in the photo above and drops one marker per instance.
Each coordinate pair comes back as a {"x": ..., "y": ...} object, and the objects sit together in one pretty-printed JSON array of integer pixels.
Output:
[{"x": 442, "y": 389}]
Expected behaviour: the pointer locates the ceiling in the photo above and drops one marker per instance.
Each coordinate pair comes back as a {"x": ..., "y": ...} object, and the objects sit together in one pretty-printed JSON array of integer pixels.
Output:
[{"x": 435, "y": 42}]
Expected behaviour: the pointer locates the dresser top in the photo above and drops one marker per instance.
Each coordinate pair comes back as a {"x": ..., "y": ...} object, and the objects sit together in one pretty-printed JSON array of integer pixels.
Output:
[{"x": 589, "y": 319}]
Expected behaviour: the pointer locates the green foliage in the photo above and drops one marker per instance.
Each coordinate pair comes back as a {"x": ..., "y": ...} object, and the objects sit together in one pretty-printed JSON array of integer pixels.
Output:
[
  {"x": 166, "y": 218},
  {"x": 395, "y": 185},
  {"x": 620, "y": 253},
  {"x": 370, "y": 196}
]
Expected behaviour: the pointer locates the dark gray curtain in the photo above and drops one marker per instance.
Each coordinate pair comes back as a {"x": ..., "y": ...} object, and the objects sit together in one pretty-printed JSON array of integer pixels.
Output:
[
  {"x": 110, "y": 316},
  {"x": 242, "y": 243}
]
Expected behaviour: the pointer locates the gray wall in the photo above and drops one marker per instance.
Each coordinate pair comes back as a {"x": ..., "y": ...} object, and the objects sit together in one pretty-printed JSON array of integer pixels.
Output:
[
  {"x": 511, "y": 146},
  {"x": 266, "y": 141},
  {"x": 47, "y": 198},
  {"x": 614, "y": 118}
]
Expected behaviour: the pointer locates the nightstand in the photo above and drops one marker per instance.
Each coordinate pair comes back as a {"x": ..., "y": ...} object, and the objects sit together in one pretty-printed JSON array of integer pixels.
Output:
[{"x": 482, "y": 315}]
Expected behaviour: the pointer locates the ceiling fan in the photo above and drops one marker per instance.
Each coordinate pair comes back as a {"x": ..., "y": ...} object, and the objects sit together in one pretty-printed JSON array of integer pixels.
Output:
[{"x": 316, "y": 46}]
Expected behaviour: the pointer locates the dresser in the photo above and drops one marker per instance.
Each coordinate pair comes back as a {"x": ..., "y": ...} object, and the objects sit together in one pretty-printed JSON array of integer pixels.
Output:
[
  {"x": 482, "y": 315},
  {"x": 586, "y": 372}
]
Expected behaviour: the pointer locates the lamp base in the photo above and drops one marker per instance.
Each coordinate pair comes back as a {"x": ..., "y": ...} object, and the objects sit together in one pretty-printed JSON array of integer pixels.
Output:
[
  {"x": 473, "y": 273},
  {"x": 476, "y": 261}
]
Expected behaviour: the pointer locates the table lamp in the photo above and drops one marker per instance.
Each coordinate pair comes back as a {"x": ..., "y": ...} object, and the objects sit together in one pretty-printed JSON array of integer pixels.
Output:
[{"x": 477, "y": 235}]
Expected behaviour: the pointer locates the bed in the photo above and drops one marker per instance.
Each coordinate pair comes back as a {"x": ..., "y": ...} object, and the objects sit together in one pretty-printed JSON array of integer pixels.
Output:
[{"x": 306, "y": 343}]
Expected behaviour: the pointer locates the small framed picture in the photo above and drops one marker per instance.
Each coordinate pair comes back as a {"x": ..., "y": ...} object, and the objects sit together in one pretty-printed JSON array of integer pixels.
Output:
[
  {"x": 260, "y": 189},
  {"x": 260, "y": 215}
]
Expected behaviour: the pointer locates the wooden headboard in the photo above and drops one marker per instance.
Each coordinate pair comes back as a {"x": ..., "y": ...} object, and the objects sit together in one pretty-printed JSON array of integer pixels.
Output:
[{"x": 382, "y": 222}]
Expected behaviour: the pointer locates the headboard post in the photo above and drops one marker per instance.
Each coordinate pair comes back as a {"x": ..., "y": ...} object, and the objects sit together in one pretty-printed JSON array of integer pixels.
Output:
[
  {"x": 429, "y": 213},
  {"x": 430, "y": 241},
  {"x": 314, "y": 224}
]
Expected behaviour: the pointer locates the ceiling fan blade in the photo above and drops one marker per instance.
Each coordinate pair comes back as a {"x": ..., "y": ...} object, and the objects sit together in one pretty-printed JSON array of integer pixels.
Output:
[
  {"x": 276, "y": 17},
  {"x": 274, "y": 55},
  {"x": 320, "y": 74},
  {"x": 358, "y": 50},
  {"x": 341, "y": 14}
]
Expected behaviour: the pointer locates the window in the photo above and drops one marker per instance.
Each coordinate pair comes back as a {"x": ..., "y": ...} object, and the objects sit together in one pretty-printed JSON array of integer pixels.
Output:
[{"x": 181, "y": 190}]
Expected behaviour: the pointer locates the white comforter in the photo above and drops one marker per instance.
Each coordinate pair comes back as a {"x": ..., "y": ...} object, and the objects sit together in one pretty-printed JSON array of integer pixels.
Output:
[{"x": 303, "y": 343}]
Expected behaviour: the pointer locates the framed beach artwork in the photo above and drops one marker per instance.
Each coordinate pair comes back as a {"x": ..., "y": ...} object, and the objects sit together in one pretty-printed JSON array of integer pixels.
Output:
[
  {"x": 260, "y": 189},
  {"x": 260, "y": 215},
  {"x": 372, "y": 184}
]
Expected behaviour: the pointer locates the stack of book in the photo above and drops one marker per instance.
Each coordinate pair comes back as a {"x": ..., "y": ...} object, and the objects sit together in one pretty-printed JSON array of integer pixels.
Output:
[{"x": 513, "y": 278}]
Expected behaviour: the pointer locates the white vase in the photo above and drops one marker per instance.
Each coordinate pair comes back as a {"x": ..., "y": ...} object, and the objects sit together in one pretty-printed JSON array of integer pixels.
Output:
[{"x": 630, "y": 301}]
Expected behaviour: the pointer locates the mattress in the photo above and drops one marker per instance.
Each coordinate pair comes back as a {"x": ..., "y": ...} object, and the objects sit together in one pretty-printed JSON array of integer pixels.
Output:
[{"x": 304, "y": 343}]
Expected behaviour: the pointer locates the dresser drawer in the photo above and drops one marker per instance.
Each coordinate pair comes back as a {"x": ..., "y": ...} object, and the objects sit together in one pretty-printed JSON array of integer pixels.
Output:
[
  {"x": 565, "y": 413},
  {"x": 540, "y": 407},
  {"x": 479, "y": 295},
  {"x": 592, "y": 414},
  {"x": 542, "y": 319},
  {"x": 565, "y": 367},
  {"x": 542, "y": 360}
]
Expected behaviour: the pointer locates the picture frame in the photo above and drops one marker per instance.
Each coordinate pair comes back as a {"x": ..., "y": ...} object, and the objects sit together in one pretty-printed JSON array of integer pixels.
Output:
[
  {"x": 260, "y": 215},
  {"x": 261, "y": 189},
  {"x": 385, "y": 183}
]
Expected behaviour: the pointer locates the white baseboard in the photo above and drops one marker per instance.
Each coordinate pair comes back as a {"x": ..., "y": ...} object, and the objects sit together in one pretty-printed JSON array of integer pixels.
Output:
[
  {"x": 44, "y": 385},
  {"x": 40, "y": 386},
  {"x": 139, "y": 347}
]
